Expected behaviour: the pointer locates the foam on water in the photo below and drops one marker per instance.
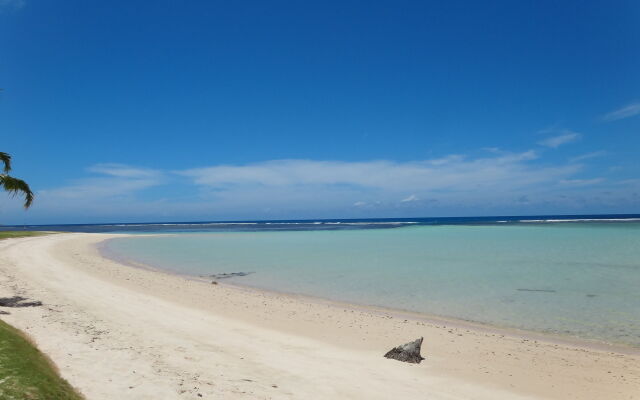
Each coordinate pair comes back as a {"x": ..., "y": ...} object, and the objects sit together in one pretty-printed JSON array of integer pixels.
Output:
[{"x": 575, "y": 279}]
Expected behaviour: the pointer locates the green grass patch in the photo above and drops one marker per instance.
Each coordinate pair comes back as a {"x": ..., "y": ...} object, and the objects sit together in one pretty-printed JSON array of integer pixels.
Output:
[
  {"x": 16, "y": 234},
  {"x": 26, "y": 373}
]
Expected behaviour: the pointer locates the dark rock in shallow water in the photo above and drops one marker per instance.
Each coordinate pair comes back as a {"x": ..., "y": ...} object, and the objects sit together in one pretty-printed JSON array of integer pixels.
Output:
[
  {"x": 408, "y": 352},
  {"x": 229, "y": 275}
]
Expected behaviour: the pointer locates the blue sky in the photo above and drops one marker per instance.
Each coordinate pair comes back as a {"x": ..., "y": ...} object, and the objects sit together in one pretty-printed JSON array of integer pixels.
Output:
[{"x": 173, "y": 110}]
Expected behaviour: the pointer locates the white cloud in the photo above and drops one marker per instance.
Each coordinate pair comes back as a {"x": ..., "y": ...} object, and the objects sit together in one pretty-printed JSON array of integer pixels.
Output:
[
  {"x": 301, "y": 187},
  {"x": 454, "y": 185},
  {"x": 559, "y": 140},
  {"x": 411, "y": 198},
  {"x": 111, "y": 193},
  {"x": 625, "y": 112},
  {"x": 453, "y": 172}
]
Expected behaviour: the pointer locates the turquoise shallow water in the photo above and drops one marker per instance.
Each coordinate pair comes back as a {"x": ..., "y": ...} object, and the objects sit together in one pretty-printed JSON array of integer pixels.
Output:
[{"x": 578, "y": 279}]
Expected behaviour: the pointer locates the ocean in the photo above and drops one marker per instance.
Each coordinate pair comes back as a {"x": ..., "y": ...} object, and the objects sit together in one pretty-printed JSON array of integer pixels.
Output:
[{"x": 576, "y": 276}]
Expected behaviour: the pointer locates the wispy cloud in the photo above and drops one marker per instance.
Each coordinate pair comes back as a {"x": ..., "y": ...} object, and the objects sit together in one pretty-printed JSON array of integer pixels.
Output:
[
  {"x": 588, "y": 156},
  {"x": 112, "y": 180},
  {"x": 409, "y": 199},
  {"x": 14, "y": 4},
  {"x": 631, "y": 110},
  {"x": 123, "y": 171},
  {"x": 581, "y": 182},
  {"x": 564, "y": 138}
]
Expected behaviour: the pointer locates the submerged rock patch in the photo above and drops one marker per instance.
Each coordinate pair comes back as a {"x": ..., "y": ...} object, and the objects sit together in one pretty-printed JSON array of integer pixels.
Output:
[{"x": 225, "y": 275}]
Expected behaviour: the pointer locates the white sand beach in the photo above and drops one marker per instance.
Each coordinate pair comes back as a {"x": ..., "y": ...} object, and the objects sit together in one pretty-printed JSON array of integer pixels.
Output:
[{"x": 120, "y": 332}]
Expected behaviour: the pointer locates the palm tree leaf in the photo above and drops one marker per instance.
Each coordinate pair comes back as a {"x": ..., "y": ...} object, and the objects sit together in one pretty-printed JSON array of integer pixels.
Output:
[
  {"x": 16, "y": 186},
  {"x": 6, "y": 160}
]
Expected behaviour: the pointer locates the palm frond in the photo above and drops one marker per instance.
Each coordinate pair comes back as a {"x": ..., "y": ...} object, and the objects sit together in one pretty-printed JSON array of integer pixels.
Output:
[
  {"x": 17, "y": 186},
  {"x": 6, "y": 160}
]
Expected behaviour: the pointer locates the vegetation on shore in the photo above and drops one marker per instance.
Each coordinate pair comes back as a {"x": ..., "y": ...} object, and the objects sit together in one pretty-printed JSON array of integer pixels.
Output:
[
  {"x": 17, "y": 234},
  {"x": 26, "y": 373},
  {"x": 13, "y": 185}
]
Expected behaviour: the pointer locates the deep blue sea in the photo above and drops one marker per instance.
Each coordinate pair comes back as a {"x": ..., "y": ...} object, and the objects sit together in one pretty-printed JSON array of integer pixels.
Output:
[
  {"x": 569, "y": 275},
  {"x": 317, "y": 224}
]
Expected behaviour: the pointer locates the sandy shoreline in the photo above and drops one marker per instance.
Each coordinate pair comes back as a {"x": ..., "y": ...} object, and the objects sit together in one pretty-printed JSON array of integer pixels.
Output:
[
  {"x": 396, "y": 313},
  {"x": 121, "y": 332}
]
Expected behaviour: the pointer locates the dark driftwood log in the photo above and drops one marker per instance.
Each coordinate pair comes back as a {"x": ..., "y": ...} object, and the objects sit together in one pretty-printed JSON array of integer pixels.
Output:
[{"x": 408, "y": 352}]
